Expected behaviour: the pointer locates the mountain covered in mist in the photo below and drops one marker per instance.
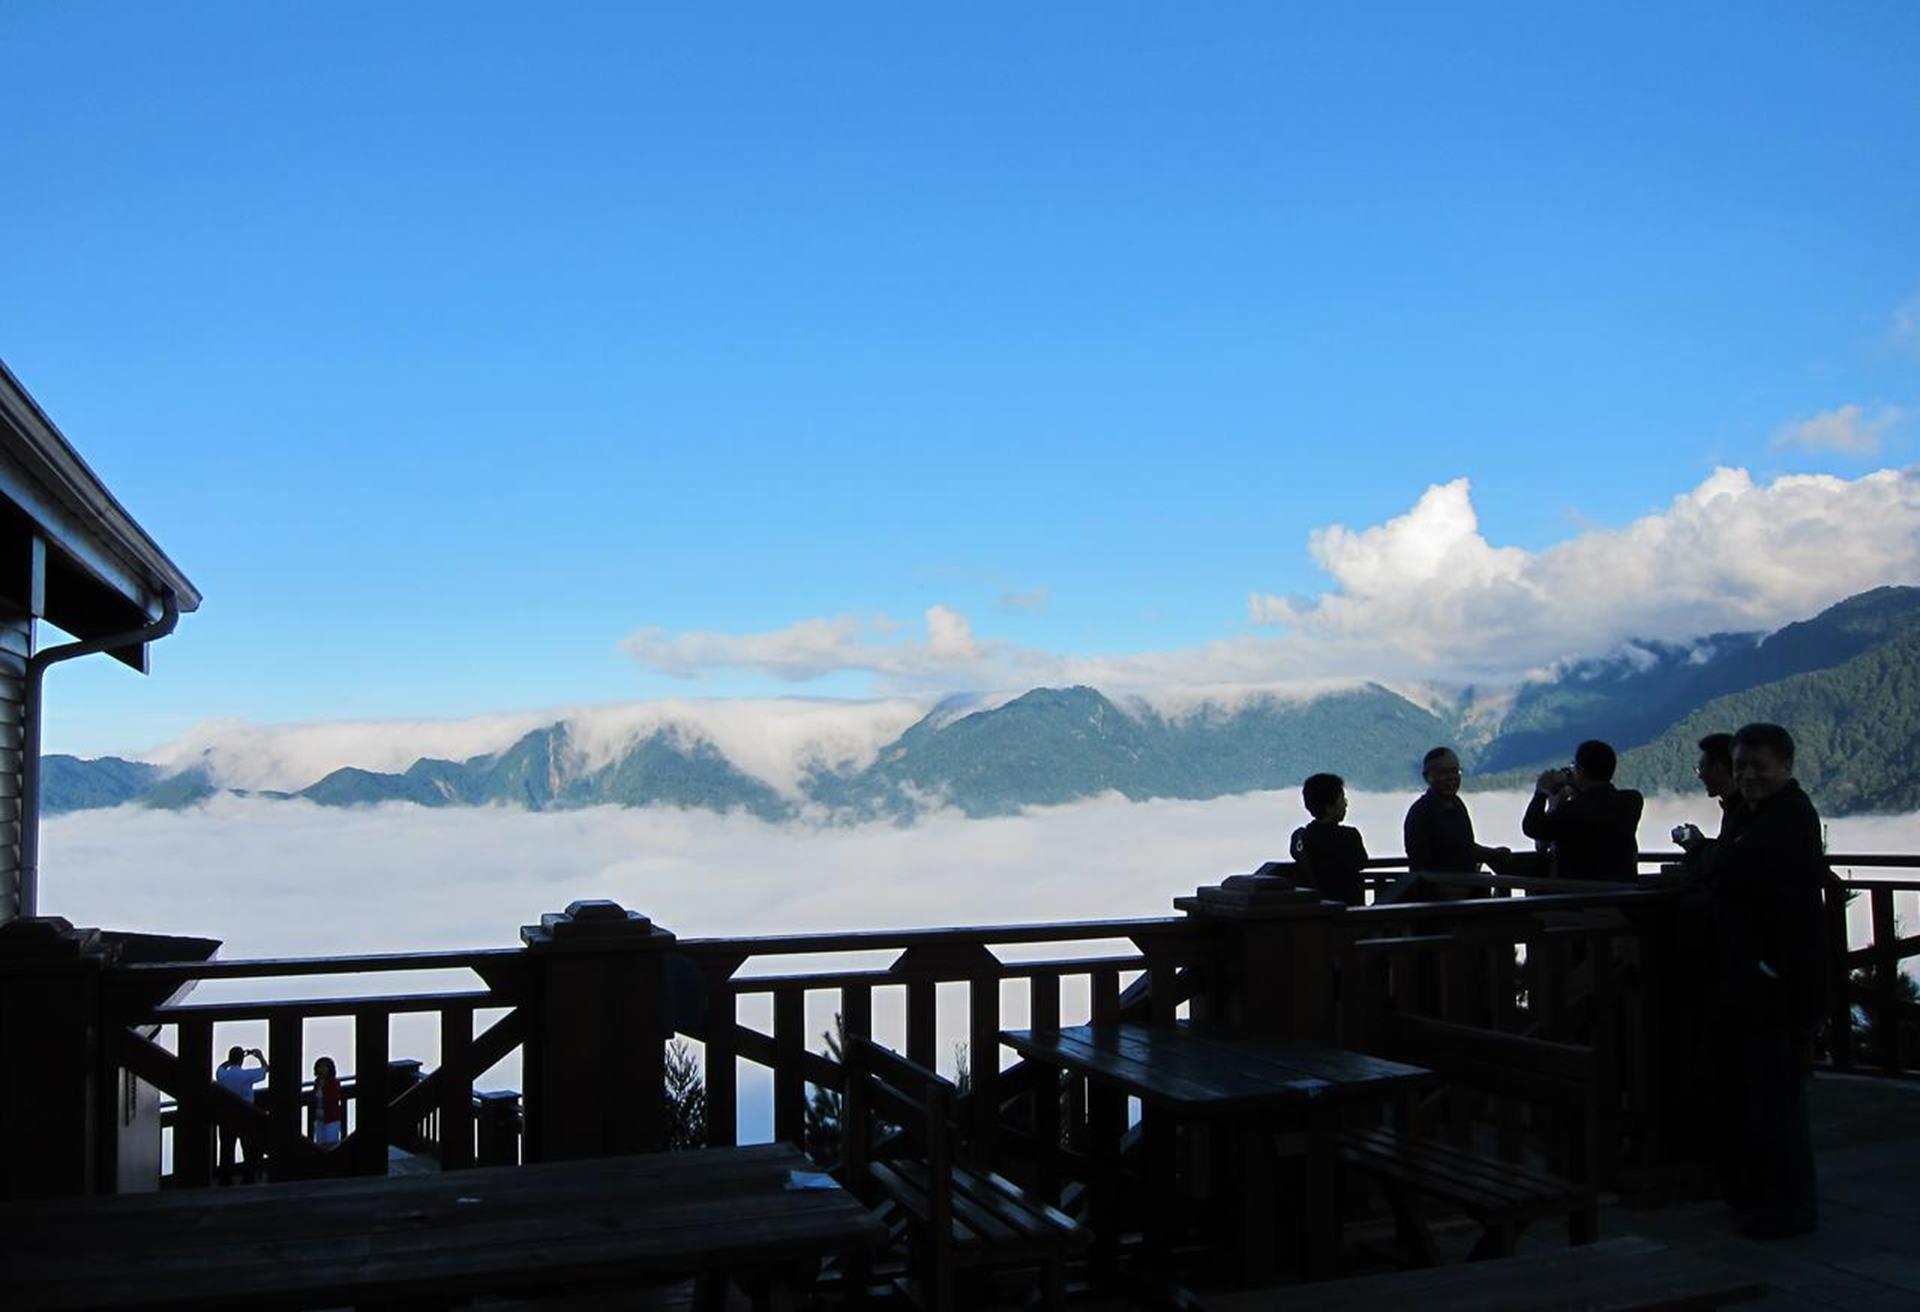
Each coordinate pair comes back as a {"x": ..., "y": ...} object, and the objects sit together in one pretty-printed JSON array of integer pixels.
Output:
[{"x": 1846, "y": 681}]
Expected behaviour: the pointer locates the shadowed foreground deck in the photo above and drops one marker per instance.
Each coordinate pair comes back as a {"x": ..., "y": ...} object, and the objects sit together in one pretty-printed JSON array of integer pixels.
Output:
[{"x": 1866, "y": 1253}]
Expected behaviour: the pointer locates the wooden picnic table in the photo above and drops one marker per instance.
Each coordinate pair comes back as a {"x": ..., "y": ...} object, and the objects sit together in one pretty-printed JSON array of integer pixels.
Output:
[
  {"x": 548, "y": 1227},
  {"x": 1247, "y": 1088}
]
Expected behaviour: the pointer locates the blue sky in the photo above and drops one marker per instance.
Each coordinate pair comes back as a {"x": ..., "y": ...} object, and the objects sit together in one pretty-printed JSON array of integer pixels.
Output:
[{"x": 447, "y": 347}]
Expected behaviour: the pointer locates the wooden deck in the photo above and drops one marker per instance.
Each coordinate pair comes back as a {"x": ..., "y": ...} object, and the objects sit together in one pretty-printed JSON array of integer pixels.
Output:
[
  {"x": 615, "y": 1222},
  {"x": 1866, "y": 1133}
]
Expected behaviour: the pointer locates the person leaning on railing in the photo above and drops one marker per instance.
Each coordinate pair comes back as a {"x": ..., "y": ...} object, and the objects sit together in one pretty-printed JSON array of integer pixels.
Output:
[
  {"x": 329, "y": 1105},
  {"x": 1715, "y": 772},
  {"x": 1329, "y": 854},
  {"x": 1439, "y": 830}
]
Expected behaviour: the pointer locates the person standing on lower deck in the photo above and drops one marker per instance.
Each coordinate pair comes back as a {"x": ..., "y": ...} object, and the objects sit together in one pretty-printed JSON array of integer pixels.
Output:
[{"x": 239, "y": 1079}]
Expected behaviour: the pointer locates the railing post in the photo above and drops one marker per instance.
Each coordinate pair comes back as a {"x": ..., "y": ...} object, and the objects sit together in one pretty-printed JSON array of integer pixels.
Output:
[
  {"x": 1272, "y": 952},
  {"x": 372, "y": 1121},
  {"x": 456, "y": 1088},
  {"x": 596, "y": 1058},
  {"x": 402, "y": 1074},
  {"x": 282, "y": 1096},
  {"x": 56, "y": 1079},
  {"x": 723, "y": 1073},
  {"x": 789, "y": 1080},
  {"x": 497, "y": 1122},
  {"x": 1886, "y": 983},
  {"x": 1840, "y": 1001}
]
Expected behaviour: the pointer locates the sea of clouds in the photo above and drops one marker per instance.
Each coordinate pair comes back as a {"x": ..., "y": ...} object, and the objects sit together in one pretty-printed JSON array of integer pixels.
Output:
[{"x": 277, "y": 878}]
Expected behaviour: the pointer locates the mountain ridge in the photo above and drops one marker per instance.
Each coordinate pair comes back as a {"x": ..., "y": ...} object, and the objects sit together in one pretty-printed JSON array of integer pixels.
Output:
[{"x": 995, "y": 755}]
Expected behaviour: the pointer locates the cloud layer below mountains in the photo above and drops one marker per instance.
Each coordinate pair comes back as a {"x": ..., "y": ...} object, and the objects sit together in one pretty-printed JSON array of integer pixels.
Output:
[
  {"x": 276, "y": 878},
  {"x": 292, "y": 879},
  {"x": 1426, "y": 596}
]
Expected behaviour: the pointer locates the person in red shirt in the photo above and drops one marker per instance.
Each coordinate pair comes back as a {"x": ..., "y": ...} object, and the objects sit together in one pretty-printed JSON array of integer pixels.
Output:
[{"x": 329, "y": 1105}]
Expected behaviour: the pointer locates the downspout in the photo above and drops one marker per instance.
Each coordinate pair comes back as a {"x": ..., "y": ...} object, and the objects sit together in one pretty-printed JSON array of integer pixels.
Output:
[{"x": 30, "y": 752}]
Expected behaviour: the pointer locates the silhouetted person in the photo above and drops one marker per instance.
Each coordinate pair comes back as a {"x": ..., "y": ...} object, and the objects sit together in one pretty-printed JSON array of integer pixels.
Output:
[
  {"x": 1438, "y": 830},
  {"x": 329, "y": 1105},
  {"x": 239, "y": 1079},
  {"x": 1591, "y": 827},
  {"x": 1766, "y": 883},
  {"x": 1715, "y": 772},
  {"x": 1329, "y": 853}
]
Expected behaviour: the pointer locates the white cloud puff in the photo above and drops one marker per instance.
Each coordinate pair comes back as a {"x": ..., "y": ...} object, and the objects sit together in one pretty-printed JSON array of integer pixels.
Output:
[
  {"x": 1024, "y": 603},
  {"x": 1427, "y": 590},
  {"x": 811, "y": 648},
  {"x": 774, "y": 739},
  {"x": 1904, "y": 331},
  {"x": 1850, "y": 430}
]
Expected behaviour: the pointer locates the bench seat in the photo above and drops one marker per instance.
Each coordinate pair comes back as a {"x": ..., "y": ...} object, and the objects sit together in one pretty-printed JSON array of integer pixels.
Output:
[
  {"x": 994, "y": 1221},
  {"x": 1491, "y": 1191}
]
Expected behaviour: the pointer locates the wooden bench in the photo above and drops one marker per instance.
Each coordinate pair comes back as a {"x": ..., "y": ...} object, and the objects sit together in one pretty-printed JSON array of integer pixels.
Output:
[
  {"x": 956, "y": 1218},
  {"x": 1629, "y": 1274},
  {"x": 1503, "y": 1194}
]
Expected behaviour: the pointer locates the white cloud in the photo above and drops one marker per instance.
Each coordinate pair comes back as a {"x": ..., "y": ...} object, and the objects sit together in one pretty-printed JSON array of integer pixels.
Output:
[
  {"x": 1427, "y": 593},
  {"x": 1905, "y": 328},
  {"x": 1849, "y": 430},
  {"x": 773, "y": 739},
  {"x": 1023, "y": 603},
  {"x": 291, "y": 756},
  {"x": 811, "y": 648}
]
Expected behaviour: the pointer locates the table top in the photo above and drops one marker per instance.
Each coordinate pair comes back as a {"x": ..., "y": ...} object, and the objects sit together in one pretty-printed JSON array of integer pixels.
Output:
[
  {"x": 495, "y": 1229},
  {"x": 1201, "y": 1070}
]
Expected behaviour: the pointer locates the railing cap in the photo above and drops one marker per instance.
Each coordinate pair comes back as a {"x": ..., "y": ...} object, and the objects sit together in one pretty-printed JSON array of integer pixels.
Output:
[
  {"x": 593, "y": 925},
  {"x": 35, "y": 942}
]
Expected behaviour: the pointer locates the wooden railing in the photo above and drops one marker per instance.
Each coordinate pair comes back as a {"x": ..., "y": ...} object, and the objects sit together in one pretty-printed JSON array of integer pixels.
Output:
[
  {"x": 1874, "y": 1009},
  {"x": 391, "y": 1104},
  {"x": 1579, "y": 963},
  {"x": 924, "y": 959}
]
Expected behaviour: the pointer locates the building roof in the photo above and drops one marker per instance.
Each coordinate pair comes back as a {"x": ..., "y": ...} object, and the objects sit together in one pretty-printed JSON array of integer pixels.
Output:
[{"x": 102, "y": 573}]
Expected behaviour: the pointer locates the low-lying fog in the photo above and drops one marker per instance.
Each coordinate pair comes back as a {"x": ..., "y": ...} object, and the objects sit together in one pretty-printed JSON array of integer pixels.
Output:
[{"x": 274, "y": 878}]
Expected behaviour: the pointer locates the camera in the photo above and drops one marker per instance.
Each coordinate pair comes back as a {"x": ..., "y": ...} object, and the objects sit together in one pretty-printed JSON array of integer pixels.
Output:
[{"x": 1561, "y": 778}]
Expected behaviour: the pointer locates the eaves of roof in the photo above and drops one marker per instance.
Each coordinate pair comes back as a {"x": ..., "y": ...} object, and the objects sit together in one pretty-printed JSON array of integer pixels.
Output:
[{"x": 37, "y": 444}]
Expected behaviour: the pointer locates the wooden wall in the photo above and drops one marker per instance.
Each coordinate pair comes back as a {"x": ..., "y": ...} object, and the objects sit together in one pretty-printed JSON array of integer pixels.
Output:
[{"x": 16, "y": 642}]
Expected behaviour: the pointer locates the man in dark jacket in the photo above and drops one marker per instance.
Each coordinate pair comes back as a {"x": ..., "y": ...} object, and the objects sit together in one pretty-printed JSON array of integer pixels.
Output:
[
  {"x": 1438, "y": 830},
  {"x": 1591, "y": 827},
  {"x": 1715, "y": 772},
  {"x": 1331, "y": 854},
  {"x": 1766, "y": 884}
]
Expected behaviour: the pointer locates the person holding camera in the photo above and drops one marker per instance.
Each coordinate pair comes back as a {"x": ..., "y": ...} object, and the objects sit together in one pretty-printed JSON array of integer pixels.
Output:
[
  {"x": 1715, "y": 772},
  {"x": 239, "y": 1079},
  {"x": 1591, "y": 828}
]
